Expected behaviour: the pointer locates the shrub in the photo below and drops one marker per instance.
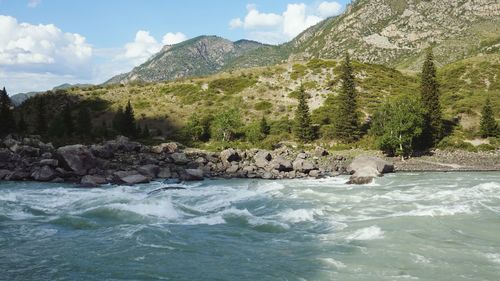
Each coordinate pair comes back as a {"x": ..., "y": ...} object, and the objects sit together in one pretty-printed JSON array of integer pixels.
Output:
[{"x": 263, "y": 105}]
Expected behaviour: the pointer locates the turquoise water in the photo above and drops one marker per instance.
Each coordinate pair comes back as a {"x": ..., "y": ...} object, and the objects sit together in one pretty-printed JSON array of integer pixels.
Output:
[{"x": 427, "y": 226}]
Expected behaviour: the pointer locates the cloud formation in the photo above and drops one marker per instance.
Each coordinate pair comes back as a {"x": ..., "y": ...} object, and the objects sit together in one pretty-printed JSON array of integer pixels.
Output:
[
  {"x": 34, "y": 3},
  {"x": 278, "y": 28}
]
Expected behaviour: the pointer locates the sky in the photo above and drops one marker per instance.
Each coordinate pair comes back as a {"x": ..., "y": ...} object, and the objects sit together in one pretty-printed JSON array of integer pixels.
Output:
[{"x": 45, "y": 43}]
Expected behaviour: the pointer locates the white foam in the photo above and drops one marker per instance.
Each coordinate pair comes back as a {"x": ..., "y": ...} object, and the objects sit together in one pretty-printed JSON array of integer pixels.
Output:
[
  {"x": 300, "y": 215},
  {"x": 157, "y": 208},
  {"x": 368, "y": 233},
  {"x": 420, "y": 259},
  {"x": 495, "y": 258},
  {"x": 330, "y": 261}
]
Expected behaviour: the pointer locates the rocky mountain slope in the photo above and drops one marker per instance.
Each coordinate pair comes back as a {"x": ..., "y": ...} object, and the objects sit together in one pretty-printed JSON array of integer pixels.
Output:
[
  {"x": 389, "y": 32},
  {"x": 199, "y": 56}
]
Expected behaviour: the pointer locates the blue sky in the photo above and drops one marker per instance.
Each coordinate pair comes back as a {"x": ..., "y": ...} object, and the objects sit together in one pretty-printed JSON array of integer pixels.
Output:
[{"x": 44, "y": 43}]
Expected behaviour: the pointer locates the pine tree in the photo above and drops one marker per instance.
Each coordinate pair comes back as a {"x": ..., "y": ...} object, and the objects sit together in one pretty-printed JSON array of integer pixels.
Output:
[
  {"x": 347, "y": 123},
  {"x": 429, "y": 92},
  {"x": 264, "y": 127},
  {"x": 84, "y": 122},
  {"x": 129, "y": 128},
  {"x": 303, "y": 130},
  {"x": 118, "y": 121},
  {"x": 488, "y": 127},
  {"x": 145, "y": 132},
  {"x": 22, "y": 127},
  {"x": 40, "y": 118},
  {"x": 7, "y": 122},
  {"x": 67, "y": 119}
]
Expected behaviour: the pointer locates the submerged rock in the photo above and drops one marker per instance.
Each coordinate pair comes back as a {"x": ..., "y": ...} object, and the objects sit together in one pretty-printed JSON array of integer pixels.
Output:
[{"x": 93, "y": 181}]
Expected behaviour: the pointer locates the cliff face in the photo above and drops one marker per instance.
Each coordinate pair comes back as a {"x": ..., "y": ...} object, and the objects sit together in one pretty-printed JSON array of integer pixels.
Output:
[{"x": 395, "y": 32}]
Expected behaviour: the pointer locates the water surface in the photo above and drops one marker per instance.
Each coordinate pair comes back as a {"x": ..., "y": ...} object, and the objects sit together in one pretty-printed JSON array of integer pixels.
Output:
[{"x": 409, "y": 226}]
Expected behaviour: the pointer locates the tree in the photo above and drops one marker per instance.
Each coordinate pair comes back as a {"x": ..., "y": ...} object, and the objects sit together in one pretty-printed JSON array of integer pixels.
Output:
[
  {"x": 129, "y": 128},
  {"x": 40, "y": 117},
  {"x": 7, "y": 122},
  {"x": 198, "y": 127},
  {"x": 226, "y": 125},
  {"x": 67, "y": 119},
  {"x": 145, "y": 132},
  {"x": 397, "y": 125},
  {"x": 347, "y": 123},
  {"x": 22, "y": 127},
  {"x": 118, "y": 121},
  {"x": 303, "y": 130},
  {"x": 488, "y": 125},
  {"x": 84, "y": 122},
  {"x": 429, "y": 95},
  {"x": 265, "y": 129}
]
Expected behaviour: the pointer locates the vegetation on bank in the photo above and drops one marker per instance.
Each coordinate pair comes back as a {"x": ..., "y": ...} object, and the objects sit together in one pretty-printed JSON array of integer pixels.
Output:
[{"x": 340, "y": 105}]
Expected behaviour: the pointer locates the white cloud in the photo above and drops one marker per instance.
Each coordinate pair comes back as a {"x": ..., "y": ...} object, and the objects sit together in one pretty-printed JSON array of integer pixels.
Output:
[
  {"x": 278, "y": 28},
  {"x": 34, "y": 3},
  {"x": 328, "y": 9},
  {"x": 173, "y": 38}
]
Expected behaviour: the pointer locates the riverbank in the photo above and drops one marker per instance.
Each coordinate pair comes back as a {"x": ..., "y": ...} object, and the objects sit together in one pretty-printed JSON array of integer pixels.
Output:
[{"x": 122, "y": 161}]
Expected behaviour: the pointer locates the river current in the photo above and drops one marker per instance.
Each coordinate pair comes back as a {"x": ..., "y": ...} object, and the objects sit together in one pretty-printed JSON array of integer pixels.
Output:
[{"x": 405, "y": 226}]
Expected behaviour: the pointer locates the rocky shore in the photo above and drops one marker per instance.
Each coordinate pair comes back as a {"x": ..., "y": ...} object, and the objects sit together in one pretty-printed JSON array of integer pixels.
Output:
[{"x": 122, "y": 161}]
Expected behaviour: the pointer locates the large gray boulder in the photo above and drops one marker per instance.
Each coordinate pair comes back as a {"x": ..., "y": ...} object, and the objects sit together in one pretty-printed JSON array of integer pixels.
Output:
[
  {"x": 262, "y": 158},
  {"x": 179, "y": 158},
  {"x": 92, "y": 181},
  {"x": 76, "y": 158},
  {"x": 4, "y": 173},
  {"x": 168, "y": 147},
  {"x": 229, "y": 155},
  {"x": 149, "y": 170},
  {"x": 135, "y": 179},
  {"x": 281, "y": 164},
  {"x": 45, "y": 173},
  {"x": 192, "y": 175},
  {"x": 302, "y": 165},
  {"x": 365, "y": 168}
]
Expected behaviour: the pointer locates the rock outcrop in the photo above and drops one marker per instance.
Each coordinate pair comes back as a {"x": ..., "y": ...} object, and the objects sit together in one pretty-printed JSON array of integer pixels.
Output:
[{"x": 364, "y": 169}]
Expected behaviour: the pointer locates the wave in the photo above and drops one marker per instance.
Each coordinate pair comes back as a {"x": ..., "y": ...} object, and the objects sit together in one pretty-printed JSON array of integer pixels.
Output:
[{"x": 368, "y": 233}]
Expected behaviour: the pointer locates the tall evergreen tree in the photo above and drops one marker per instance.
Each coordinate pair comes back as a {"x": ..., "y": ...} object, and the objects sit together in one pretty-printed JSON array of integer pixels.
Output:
[
  {"x": 118, "y": 121},
  {"x": 488, "y": 126},
  {"x": 129, "y": 128},
  {"x": 67, "y": 119},
  {"x": 40, "y": 117},
  {"x": 84, "y": 122},
  {"x": 22, "y": 127},
  {"x": 429, "y": 91},
  {"x": 7, "y": 122},
  {"x": 264, "y": 127},
  {"x": 303, "y": 130},
  {"x": 347, "y": 123}
]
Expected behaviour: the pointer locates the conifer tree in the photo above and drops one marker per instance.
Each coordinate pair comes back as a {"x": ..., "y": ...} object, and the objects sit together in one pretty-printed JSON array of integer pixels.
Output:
[
  {"x": 264, "y": 127},
  {"x": 488, "y": 126},
  {"x": 145, "y": 132},
  {"x": 303, "y": 130},
  {"x": 84, "y": 122},
  {"x": 347, "y": 123},
  {"x": 429, "y": 91},
  {"x": 118, "y": 121},
  {"x": 40, "y": 118},
  {"x": 7, "y": 122},
  {"x": 22, "y": 127},
  {"x": 129, "y": 127},
  {"x": 67, "y": 119}
]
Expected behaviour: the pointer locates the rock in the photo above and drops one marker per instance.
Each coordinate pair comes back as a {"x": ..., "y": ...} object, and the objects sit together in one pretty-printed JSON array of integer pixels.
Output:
[
  {"x": 365, "y": 168},
  {"x": 102, "y": 151},
  {"x": 302, "y": 165},
  {"x": 267, "y": 175},
  {"x": 92, "y": 181},
  {"x": 166, "y": 188},
  {"x": 380, "y": 165},
  {"x": 47, "y": 155},
  {"x": 76, "y": 158},
  {"x": 281, "y": 164},
  {"x": 49, "y": 162},
  {"x": 179, "y": 158},
  {"x": 4, "y": 173},
  {"x": 17, "y": 176},
  {"x": 25, "y": 150},
  {"x": 149, "y": 170},
  {"x": 302, "y": 155},
  {"x": 164, "y": 173},
  {"x": 169, "y": 147},
  {"x": 229, "y": 155},
  {"x": 45, "y": 173},
  {"x": 262, "y": 158},
  {"x": 192, "y": 175},
  {"x": 314, "y": 173},
  {"x": 57, "y": 180},
  {"x": 320, "y": 152},
  {"x": 135, "y": 179},
  {"x": 232, "y": 169}
]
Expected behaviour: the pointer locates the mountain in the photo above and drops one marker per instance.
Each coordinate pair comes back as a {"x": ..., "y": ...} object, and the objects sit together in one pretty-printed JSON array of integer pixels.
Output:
[
  {"x": 390, "y": 32},
  {"x": 199, "y": 56},
  {"x": 395, "y": 32},
  {"x": 18, "y": 99}
]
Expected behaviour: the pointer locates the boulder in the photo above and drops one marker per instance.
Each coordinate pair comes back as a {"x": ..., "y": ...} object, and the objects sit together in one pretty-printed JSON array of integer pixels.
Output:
[
  {"x": 102, "y": 151},
  {"x": 49, "y": 162},
  {"x": 149, "y": 170},
  {"x": 232, "y": 169},
  {"x": 229, "y": 155},
  {"x": 76, "y": 158},
  {"x": 93, "y": 181},
  {"x": 17, "y": 176},
  {"x": 164, "y": 173},
  {"x": 169, "y": 147},
  {"x": 361, "y": 162},
  {"x": 314, "y": 173},
  {"x": 262, "y": 158},
  {"x": 192, "y": 175},
  {"x": 4, "y": 173},
  {"x": 45, "y": 173},
  {"x": 281, "y": 164},
  {"x": 179, "y": 158},
  {"x": 302, "y": 165},
  {"x": 320, "y": 152},
  {"x": 135, "y": 179},
  {"x": 365, "y": 168}
]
